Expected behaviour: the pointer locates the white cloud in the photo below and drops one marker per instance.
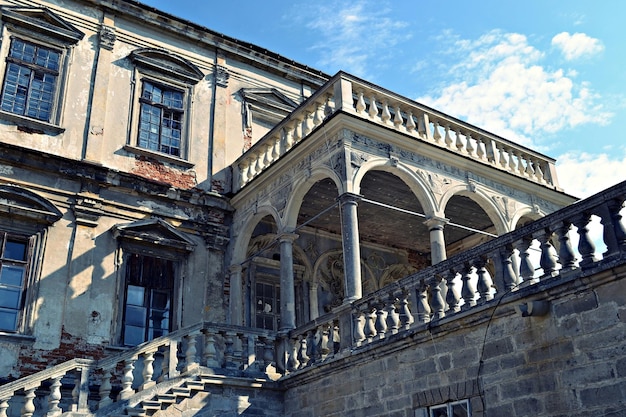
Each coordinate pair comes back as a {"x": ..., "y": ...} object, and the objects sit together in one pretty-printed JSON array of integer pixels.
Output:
[
  {"x": 499, "y": 83},
  {"x": 356, "y": 37},
  {"x": 577, "y": 45},
  {"x": 584, "y": 174}
]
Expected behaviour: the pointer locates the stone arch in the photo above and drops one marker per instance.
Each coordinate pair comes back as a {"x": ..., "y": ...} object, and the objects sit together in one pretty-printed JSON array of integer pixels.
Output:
[
  {"x": 528, "y": 213},
  {"x": 302, "y": 187},
  {"x": 418, "y": 187},
  {"x": 245, "y": 232},
  {"x": 482, "y": 199}
]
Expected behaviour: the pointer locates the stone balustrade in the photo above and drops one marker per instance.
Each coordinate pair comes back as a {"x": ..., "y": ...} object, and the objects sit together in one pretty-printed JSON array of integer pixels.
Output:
[
  {"x": 538, "y": 255},
  {"x": 349, "y": 94},
  {"x": 535, "y": 257},
  {"x": 114, "y": 380}
]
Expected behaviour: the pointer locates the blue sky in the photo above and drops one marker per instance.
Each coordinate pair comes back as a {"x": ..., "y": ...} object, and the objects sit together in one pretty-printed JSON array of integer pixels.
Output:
[{"x": 549, "y": 74}]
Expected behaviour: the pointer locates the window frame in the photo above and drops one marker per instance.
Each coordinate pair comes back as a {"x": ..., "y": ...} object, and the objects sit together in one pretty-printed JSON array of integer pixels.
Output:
[
  {"x": 42, "y": 28},
  {"x": 153, "y": 238},
  {"x": 26, "y": 278},
  {"x": 173, "y": 291},
  {"x": 169, "y": 71},
  {"x": 27, "y": 216},
  {"x": 143, "y": 101},
  {"x": 449, "y": 408}
]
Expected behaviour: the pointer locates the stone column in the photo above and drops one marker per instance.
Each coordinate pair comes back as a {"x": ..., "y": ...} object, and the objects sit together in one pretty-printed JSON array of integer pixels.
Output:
[
  {"x": 313, "y": 301},
  {"x": 287, "y": 290},
  {"x": 236, "y": 298},
  {"x": 437, "y": 241},
  {"x": 351, "y": 252}
]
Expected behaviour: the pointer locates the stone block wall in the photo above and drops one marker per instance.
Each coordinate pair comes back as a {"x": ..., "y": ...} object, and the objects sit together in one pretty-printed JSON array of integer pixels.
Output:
[{"x": 570, "y": 362}]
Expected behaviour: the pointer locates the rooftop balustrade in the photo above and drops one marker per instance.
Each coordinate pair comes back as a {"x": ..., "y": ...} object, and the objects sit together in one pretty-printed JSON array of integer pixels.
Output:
[{"x": 348, "y": 94}]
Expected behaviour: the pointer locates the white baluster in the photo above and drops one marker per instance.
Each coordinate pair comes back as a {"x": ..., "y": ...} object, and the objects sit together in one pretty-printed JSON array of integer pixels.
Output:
[
  {"x": 410, "y": 123},
  {"x": 567, "y": 259},
  {"x": 526, "y": 269},
  {"x": 191, "y": 361},
  {"x": 406, "y": 318},
  {"x": 438, "y": 306},
  {"x": 480, "y": 153},
  {"x": 276, "y": 148},
  {"x": 210, "y": 352},
  {"x": 503, "y": 161},
  {"x": 127, "y": 380},
  {"x": 28, "y": 409},
  {"x": 452, "y": 295},
  {"x": 386, "y": 115},
  {"x": 423, "y": 308},
  {"x": 484, "y": 283},
  {"x": 468, "y": 144},
  {"x": 54, "y": 398},
  {"x": 373, "y": 110},
  {"x": 397, "y": 118},
  {"x": 303, "y": 356},
  {"x": 381, "y": 323},
  {"x": 105, "y": 389},
  {"x": 586, "y": 248},
  {"x": 393, "y": 318},
  {"x": 547, "y": 261},
  {"x": 468, "y": 292},
  {"x": 360, "y": 103},
  {"x": 512, "y": 166},
  {"x": 459, "y": 143},
  {"x": 148, "y": 370},
  {"x": 288, "y": 130},
  {"x": 359, "y": 324},
  {"x": 318, "y": 114},
  {"x": 4, "y": 406},
  {"x": 436, "y": 133},
  {"x": 447, "y": 139},
  {"x": 421, "y": 126}
]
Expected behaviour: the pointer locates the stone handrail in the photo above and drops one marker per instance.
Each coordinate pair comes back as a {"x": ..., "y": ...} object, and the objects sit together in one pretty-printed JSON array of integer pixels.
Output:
[
  {"x": 225, "y": 349},
  {"x": 471, "y": 280},
  {"x": 367, "y": 101}
]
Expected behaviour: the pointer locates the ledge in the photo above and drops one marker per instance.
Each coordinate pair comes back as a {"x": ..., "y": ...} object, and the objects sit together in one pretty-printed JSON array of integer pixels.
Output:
[
  {"x": 159, "y": 156},
  {"x": 31, "y": 125},
  {"x": 16, "y": 337}
]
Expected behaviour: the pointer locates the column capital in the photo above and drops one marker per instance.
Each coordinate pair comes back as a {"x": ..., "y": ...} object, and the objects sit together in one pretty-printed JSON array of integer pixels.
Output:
[
  {"x": 435, "y": 222},
  {"x": 235, "y": 268},
  {"x": 288, "y": 237},
  {"x": 346, "y": 198}
]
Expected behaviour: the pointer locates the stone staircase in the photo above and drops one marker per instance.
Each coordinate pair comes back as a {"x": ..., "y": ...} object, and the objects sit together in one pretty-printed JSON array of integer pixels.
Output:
[{"x": 129, "y": 384}]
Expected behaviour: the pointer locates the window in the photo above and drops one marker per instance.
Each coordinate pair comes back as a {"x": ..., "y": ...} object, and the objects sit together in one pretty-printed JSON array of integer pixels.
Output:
[
  {"x": 161, "y": 119},
  {"x": 151, "y": 277},
  {"x": 148, "y": 300},
  {"x": 453, "y": 409},
  {"x": 13, "y": 279},
  {"x": 267, "y": 302},
  {"x": 24, "y": 221},
  {"x": 161, "y": 126},
  {"x": 30, "y": 80},
  {"x": 36, "y": 60}
]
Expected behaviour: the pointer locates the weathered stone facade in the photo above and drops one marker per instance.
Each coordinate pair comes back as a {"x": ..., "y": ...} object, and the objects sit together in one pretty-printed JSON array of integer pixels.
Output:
[{"x": 192, "y": 225}]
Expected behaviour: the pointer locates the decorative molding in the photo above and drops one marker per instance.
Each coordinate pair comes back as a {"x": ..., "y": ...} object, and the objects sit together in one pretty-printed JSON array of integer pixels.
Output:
[
  {"x": 221, "y": 76},
  {"x": 107, "y": 37}
]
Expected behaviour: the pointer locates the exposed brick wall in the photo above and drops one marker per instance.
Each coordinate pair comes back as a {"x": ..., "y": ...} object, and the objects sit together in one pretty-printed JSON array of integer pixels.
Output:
[
  {"x": 154, "y": 170},
  {"x": 35, "y": 360}
]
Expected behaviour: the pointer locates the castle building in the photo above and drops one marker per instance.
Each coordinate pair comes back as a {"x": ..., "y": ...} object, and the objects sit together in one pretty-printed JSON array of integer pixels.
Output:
[{"x": 192, "y": 225}]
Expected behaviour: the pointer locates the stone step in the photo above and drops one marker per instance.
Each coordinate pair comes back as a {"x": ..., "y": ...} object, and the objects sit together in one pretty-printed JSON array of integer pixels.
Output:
[
  {"x": 166, "y": 398},
  {"x": 195, "y": 385},
  {"x": 136, "y": 412},
  {"x": 151, "y": 405},
  {"x": 181, "y": 392}
]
